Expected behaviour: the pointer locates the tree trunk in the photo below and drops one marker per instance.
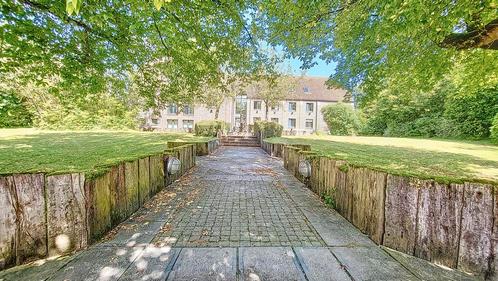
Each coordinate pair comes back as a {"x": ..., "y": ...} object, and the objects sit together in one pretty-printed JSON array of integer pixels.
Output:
[
  {"x": 217, "y": 113},
  {"x": 266, "y": 109}
]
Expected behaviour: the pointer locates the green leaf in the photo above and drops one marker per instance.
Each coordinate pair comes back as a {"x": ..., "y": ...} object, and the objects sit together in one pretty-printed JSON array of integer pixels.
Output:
[
  {"x": 158, "y": 4},
  {"x": 78, "y": 6},
  {"x": 69, "y": 7}
]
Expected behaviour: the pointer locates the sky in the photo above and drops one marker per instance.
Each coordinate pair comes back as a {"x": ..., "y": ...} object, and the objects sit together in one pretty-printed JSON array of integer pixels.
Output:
[{"x": 322, "y": 69}]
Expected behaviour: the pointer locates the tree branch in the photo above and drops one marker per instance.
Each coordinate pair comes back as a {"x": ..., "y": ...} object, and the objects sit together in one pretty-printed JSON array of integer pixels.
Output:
[
  {"x": 484, "y": 38},
  {"x": 67, "y": 19}
]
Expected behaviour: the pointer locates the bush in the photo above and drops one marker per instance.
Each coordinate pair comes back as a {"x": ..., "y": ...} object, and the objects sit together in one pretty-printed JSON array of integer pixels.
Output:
[
  {"x": 209, "y": 128},
  {"x": 494, "y": 129},
  {"x": 341, "y": 119},
  {"x": 269, "y": 129},
  {"x": 13, "y": 112},
  {"x": 473, "y": 113}
]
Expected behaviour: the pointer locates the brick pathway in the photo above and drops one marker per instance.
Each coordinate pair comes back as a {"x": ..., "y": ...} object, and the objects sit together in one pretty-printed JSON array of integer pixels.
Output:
[{"x": 238, "y": 215}]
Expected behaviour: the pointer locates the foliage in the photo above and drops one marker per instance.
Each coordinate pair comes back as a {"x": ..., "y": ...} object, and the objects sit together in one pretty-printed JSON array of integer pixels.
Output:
[
  {"x": 445, "y": 161},
  {"x": 328, "y": 200},
  {"x": 268, "y": 128},
  {"x": 271, "y": 86},
  {"x": 494, "y": 129},
  {"x": 53, "y": 108},
  {"x": 395, "y": 114},
  {"x": 92, "y": 46},
  {"x": 13, "y": 112},
  {"x": 29, "y": 150},
  {"x": 209, "y": 128},
  {"x": 395, "y": 45},
  {"x": 473, "y": 113},
  {"x": 341, "y": 119}
]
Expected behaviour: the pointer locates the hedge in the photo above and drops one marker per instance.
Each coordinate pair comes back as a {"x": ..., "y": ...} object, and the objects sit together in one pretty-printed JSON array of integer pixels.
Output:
[{"x": 209, "y": 128}]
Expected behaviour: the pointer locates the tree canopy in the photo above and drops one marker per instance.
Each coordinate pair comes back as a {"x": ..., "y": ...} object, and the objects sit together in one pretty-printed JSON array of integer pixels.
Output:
[
  {"x": 401, "y": 45},
  {"x": 91, "y": 46},
  {"x": 169, "y": 50}
]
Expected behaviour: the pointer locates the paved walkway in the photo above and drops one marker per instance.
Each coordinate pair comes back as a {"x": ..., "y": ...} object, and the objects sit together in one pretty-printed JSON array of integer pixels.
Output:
[{"x": 238, "y": 215}]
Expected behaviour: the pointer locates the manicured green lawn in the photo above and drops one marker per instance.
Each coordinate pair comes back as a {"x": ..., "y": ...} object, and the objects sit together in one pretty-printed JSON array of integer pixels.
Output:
[
  {"x": 437, "y": 159},
  {"x": 29, "y": 150}
]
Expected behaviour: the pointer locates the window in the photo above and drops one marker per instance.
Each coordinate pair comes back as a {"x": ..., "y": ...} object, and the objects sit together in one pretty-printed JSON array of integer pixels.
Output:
[
  {"x": 292, "y": 123},
  {"x": 274, "y": 120},
  {"x": 292, "y": 106},
  {"x": 306, "y": 90},
  {"x": 275, "y": 107},
  {"x": 309, "y": 107},
  {"x": 172, "y": 109},
  {"x": 256, "y": 119},
  {"x": 188, "y": 110},
  {"x": 257, "y": 105},
  {"x": 188, "y": 124},
  {"x": 309, "y": 124},
  {"x": 172, "y": 124},
  {"x": 155, "y": 121}
]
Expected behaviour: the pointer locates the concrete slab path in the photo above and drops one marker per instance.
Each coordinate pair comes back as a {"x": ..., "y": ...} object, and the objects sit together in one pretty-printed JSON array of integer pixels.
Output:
[{"x": 238, "y": 215}]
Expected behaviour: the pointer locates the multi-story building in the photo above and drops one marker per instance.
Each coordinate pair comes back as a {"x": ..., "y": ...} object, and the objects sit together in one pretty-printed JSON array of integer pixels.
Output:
[{"x": 299, "y": 112}]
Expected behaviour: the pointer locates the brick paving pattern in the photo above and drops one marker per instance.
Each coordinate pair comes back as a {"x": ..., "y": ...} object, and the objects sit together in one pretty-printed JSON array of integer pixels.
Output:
[{"x": 240, "y": 213}]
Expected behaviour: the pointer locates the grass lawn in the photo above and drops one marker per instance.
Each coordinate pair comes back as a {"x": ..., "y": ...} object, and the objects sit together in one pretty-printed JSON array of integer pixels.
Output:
[
  {"x": 29, "y": 150},
  {"x": 430, "y": 159}
]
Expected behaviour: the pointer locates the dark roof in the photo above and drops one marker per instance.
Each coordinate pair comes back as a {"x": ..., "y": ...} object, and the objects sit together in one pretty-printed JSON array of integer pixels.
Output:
[{"x": 309, "y": 89}]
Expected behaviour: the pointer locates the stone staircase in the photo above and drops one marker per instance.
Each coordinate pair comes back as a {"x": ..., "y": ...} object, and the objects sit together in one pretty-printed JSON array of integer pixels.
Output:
[{"x": 249, "y": 141}]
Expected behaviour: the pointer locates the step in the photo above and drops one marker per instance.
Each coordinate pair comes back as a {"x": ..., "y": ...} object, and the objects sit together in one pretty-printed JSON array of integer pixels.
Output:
[{"x": 240, "y": 145}]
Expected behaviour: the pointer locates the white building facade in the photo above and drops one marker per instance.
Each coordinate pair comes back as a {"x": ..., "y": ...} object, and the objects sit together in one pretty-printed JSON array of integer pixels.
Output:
[{"x": 299, "y": 113}]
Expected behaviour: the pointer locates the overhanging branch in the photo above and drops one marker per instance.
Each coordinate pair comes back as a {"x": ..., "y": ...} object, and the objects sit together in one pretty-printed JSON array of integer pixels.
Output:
[{"x": 484, "y": 38}]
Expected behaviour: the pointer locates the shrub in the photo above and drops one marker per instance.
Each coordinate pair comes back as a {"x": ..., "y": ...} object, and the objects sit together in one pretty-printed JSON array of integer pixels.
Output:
[
  {"x": 209, "y": 128},
  {"x": 269, "y": 129},
  {"x": 494, "y": 129},
  {"x": 13, "y": 112},
  {"x": 473, "y": 113},
  {"x": 341, "y": 119}
]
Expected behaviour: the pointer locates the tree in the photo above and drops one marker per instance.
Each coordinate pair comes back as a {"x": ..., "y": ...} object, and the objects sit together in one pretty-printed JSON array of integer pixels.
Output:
[
  {"x": 92, "y": 44},
  {"x": 213, "y": 96},
  {"x": 272, "y": 87},
  {"x": 410, "y": 42},
  {"x": 341, "y": 119}
]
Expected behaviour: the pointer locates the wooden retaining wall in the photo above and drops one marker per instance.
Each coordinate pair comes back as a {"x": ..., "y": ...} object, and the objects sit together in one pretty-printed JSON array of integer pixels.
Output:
[
  {"x": 201, "y": 148},
  {"x": 455, "y": 225},
  {"x": 43, "y": 215}
]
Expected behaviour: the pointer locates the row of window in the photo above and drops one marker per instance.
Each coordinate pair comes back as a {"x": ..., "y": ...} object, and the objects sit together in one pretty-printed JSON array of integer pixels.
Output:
[
  {"x": 291, "y": 123},
  {"x": 187, "y": 110},
  {"x": 189, "y": 124},
  {"x": 173, "y": 123},
  {"x": 291, "y": 106}
]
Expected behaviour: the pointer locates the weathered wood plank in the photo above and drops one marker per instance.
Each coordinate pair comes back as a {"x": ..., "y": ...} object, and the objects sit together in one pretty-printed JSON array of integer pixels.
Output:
[
  {"x": 31, "y": 221},
  {"x": 401, "y": 213},
  {"x": 438, "y": 230},
  {"x": 143, "y": 180},
  {"x": 342, "y": 196},
  {"x": 99, "y": 211},
  {"x": 66, "y": 213},
  {"x": 119, "y": 208},
  {"x": 131, "y": 184},
  {"x": 8, "y": 225},
  {"x": 477, "y": 223},
  {"x": 156, "y": 173},
  {"x": 368, "y": 202},
  {"x": 493, "y": 270}
]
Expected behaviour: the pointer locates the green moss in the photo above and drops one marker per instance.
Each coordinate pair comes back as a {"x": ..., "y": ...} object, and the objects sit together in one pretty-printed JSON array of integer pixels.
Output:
[{"x": 344, "y": 168}]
